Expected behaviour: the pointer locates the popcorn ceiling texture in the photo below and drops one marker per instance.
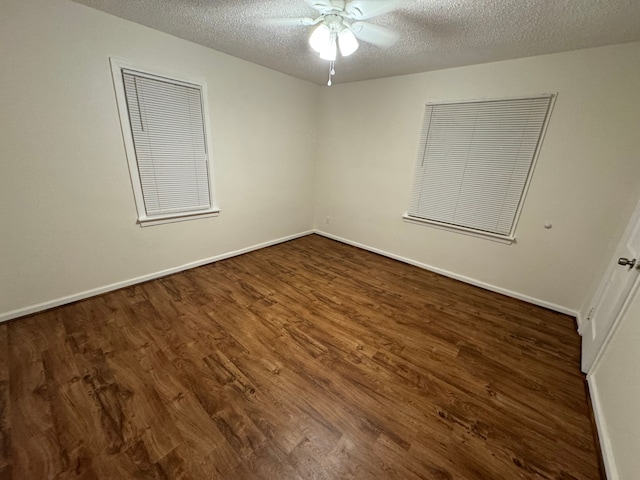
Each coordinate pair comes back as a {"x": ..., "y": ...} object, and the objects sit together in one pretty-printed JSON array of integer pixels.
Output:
[{"x": 434, "y": 34}]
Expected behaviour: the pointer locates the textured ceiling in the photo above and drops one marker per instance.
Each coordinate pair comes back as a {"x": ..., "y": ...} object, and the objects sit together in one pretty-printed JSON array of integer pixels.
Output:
[{"x": 434, "y": 34}]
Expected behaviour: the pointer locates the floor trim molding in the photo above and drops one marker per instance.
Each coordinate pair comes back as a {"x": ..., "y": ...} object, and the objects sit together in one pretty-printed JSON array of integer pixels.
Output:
[
  {"x": 601, "y": 426},
  {"x": 152, "y": 276},
  {"x": 462, "y": 278},
  {"x": 144, "y": 278}
]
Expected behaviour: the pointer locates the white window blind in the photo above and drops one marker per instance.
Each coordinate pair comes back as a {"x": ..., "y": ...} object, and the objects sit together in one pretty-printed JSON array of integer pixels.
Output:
[
  {"x": 474, "y": 162},
  {"x": 168, "y": 130}
]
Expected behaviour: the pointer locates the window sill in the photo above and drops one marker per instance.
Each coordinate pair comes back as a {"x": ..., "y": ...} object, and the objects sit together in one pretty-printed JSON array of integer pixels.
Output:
[
  {"x": 176, "y": 217},
  {"x": 506, "y": 239}
]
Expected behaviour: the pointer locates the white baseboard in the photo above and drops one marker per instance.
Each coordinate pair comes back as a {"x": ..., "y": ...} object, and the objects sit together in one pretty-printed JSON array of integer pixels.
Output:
[
  {"x": 163, "y": 273},
  {"x": 603, "y": 435},
  {"x": 144, "y": 278},
  {"x": 462, "y": 278},
  {"x": 579, "y": 323}
]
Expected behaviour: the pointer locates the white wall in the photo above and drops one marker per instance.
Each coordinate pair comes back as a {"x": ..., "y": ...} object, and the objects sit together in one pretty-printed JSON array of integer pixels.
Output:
[
  {"x": 67, "y": 212},
  {"x": 615, "y": 392},
  {"x": 585, "y": 183}
]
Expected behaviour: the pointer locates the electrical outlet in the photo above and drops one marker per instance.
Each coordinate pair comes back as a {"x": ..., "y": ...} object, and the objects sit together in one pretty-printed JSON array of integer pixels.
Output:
[{"x": 327, "y": 220}]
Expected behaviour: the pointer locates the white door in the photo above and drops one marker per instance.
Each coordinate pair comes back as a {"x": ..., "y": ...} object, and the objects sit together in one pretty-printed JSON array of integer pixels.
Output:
[{"x": 614, "y": 289}]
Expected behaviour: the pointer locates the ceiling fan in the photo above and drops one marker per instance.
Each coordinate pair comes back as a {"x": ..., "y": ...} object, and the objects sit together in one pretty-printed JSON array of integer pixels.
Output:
[{"x": 341, "y": 24}]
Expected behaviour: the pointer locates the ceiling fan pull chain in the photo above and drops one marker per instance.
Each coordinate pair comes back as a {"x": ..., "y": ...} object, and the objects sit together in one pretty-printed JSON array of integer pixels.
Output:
[{"x": 332, "y": 72}]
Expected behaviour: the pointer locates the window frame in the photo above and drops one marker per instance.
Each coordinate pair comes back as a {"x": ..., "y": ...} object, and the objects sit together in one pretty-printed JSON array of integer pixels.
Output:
[
  {"x": 497, "y": 237},
  {"x": 144, "y": 220}
]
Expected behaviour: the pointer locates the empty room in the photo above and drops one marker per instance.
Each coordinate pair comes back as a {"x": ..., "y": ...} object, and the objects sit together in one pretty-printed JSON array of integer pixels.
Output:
[{"x": 319, "y": 239}]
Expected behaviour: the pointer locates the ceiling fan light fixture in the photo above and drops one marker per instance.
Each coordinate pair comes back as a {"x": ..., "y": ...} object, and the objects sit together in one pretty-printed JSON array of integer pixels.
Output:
[
  {"x": 342, "y": 25},
  {"x": 330, "y": 49},
  {"x": 320, "y": 38},
  {"x": 347, "y": 42}
]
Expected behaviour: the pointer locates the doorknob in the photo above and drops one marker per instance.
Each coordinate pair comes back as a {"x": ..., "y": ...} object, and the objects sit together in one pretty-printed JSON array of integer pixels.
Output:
[{"x": 627, "y": 262}]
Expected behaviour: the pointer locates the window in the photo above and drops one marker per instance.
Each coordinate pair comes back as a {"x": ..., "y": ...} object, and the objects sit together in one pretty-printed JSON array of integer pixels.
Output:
[
  {"x": 166, "y": 139},
  {"x": 474, "y": 163}
]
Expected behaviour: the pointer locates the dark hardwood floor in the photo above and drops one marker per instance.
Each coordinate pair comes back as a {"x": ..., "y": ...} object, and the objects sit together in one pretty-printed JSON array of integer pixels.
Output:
[{"x": 307, "y": 360}]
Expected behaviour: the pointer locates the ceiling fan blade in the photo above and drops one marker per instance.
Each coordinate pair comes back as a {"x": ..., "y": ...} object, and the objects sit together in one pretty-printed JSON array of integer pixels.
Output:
[
  {"x": 290, "y": 22},
  {"x": 364, "y": 9},
  {"x": 380, "y": 36},
  {"x": 322, "y": 6}
]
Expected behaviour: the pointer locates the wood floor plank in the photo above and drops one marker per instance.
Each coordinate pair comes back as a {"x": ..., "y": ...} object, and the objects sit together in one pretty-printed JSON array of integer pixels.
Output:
[
  {"x": 144, "y": 415},
  {"x": 310, "y": 359},
  {"x": 5, "y": 423}
]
